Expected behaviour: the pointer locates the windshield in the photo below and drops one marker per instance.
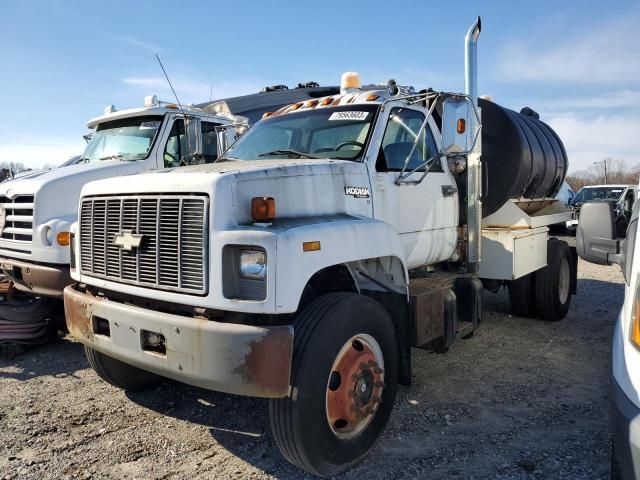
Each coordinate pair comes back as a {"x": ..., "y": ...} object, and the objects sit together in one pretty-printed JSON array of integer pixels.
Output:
[
  {"x": 335, "y": 132},
  {"x": 125, "y": 139},
  {"x": 598, "y": 193}
]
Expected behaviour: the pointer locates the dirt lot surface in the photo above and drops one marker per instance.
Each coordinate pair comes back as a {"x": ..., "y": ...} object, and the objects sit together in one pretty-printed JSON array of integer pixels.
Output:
[{"x": 522, "y": 399}]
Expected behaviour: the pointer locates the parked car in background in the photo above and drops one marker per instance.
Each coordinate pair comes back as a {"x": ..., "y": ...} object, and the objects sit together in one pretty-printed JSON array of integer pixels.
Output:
[
  {"x": 597, "y": 242},
  {"x": 621, "y": 197}
]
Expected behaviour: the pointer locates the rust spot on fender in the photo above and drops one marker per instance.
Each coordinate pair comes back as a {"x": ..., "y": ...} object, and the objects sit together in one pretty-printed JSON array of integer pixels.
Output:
[{"x": 267, "y": 365}]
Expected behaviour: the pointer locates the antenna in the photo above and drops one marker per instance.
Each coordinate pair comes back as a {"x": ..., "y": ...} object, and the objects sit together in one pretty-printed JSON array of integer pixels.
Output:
[
  {"x": 186, "y": 120},
  {"x": 211, "y": 92},
  {"x": 169, "y": 82}
]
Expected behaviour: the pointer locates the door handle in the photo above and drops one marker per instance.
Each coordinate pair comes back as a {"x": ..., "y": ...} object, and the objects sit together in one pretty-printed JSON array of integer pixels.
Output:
[{"x": 448, "y": 190}]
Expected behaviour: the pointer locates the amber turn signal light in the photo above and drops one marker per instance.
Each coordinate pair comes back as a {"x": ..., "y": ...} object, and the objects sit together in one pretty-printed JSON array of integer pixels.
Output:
[
  {"x": 462, "y": 125},
  {"x": 63, "y": 239},
  {"x": 635, "y": 325},
  {"x": 263, "y": 209},
  {"x": 311, "y": 246}
]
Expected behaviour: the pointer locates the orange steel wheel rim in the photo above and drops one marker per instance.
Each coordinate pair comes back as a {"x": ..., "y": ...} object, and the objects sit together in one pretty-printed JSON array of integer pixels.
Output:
[{"x": 354, "y": 389}]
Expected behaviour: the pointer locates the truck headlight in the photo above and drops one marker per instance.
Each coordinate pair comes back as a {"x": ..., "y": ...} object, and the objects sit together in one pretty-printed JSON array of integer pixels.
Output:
[
  {"x": 49, "y": 235},
  {"x": 253, "y": 264}
]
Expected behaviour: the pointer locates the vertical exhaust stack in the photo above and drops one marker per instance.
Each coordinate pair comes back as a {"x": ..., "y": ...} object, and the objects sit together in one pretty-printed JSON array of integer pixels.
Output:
[{"x": 474, "y": 159}]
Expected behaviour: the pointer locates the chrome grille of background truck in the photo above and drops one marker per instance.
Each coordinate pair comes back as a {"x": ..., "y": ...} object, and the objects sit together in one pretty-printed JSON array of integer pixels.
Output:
[
  {"x": 147, "y": 240},
  {"x": 19, "y": 218}
]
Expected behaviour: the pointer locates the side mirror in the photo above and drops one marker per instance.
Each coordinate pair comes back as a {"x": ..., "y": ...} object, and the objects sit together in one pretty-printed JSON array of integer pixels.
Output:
[
  {"x": 194, "y": 140},
  {"x": 222, "y": 134},
  {"x": 455, "y": 123},
  {"x": 596, "y": 240}
]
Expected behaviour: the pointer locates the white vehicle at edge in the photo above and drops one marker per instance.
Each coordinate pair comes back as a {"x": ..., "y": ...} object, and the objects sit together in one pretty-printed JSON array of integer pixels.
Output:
[
  {"x": 598, "y": 242},
  {"x": 37, "y": 210}
]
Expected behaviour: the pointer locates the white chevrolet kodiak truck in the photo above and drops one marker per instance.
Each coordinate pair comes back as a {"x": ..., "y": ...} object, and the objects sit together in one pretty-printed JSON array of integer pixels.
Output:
[
  {"x": 36, "y": 211},
  {"x": 304, "y": 263}
]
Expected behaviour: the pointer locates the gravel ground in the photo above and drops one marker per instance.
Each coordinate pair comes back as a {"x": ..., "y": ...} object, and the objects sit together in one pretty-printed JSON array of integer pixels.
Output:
[{"x": 522, "y": 399}]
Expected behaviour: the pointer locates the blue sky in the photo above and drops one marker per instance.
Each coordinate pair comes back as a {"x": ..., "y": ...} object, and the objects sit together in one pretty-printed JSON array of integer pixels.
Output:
[{"x": 575, "y": 62}]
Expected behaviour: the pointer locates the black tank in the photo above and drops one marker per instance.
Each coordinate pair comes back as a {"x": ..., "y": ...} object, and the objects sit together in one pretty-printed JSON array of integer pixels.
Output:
[{"x": 522, "y": 156}]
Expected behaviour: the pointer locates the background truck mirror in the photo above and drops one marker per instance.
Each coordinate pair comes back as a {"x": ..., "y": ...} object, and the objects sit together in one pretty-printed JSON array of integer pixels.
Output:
[
  {"x": 455, "y": 124},
  {"x": 194, "y": 142},
  {"x": 223, "y": 140},
  {"x": 596, "y": 240}
]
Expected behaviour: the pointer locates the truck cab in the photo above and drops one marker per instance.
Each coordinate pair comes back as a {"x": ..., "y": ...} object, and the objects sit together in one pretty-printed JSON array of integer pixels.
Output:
[{"x": 37, "y": 210}]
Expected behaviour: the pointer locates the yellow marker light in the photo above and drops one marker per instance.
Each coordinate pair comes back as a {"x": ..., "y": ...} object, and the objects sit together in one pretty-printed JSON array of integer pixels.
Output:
[
  {"x": 63, "y": 238},
  {"x": 372, "y": 97},
  {"x": 326, "y": 101},
  {"x": 350, "y": 80},
  {"x": 171, "y": 105},
  {"x": 311, "y": 246},
  {"x": 267, "y": 114},
  {"x": 635, "y": 321},
  {"x": 462, "y": 125},
  {"x": 296, "y": 106},
  {"x": 311, "y": 103}
]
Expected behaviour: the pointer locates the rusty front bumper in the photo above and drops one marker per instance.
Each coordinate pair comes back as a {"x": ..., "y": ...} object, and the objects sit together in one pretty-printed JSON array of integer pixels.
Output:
[
  {"x": 35, "y": 278},
  {"x": 227, "y": 357}
]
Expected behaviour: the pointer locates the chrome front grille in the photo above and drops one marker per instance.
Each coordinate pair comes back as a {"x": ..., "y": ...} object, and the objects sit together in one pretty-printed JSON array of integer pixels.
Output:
[
  {"x": 172, "y": 254},
  {"x": 18, "y": 218}
]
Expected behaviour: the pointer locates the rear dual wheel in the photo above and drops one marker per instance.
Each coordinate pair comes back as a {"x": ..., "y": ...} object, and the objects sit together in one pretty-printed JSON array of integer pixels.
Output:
[
  {"x": 344, "y": 378},
  {"x": 545, "y": 293}
]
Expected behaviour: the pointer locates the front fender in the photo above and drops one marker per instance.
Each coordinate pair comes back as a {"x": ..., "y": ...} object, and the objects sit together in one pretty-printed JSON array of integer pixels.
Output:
[{"x": 342, "y": 239}]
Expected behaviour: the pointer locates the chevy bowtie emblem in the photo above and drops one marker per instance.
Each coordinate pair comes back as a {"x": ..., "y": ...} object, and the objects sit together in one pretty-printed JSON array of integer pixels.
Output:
[{"x": 127, "y": 240}]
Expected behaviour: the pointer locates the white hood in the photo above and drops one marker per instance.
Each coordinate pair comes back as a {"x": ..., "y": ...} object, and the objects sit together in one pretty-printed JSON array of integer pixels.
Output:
[{"x": 57, "y": 191}]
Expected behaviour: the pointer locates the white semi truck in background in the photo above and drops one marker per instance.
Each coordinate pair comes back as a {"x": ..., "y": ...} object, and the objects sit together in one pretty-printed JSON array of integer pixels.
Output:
[
  {"x": 36, "y": 212},
  {"x": 304, "y": 263}
]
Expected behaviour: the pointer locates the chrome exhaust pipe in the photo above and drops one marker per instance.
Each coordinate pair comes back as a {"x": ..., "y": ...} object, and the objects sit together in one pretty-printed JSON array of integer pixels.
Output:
[{"x": 474, "y": 159}]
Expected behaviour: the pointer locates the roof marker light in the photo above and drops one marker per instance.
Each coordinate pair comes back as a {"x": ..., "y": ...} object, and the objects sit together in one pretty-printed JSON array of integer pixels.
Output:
[
  {"x": 311, "y": 103},
  {"x": 326, "y": 101},
  {"x": 296, "y": 106},
  {"x": 267, "y": 114},
  {"x": 372, "y": 97},
  {"x": 150, "y": 100},
  {"x": 349, "y": 81}
]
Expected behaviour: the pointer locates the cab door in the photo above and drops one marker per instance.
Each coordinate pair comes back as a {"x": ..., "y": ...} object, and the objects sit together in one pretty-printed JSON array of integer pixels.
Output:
[{"x": 423, "y": 209}]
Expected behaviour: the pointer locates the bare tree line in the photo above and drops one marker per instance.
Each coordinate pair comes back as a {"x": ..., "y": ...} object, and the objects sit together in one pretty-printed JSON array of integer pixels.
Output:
[{"x": 617, "y": 171}]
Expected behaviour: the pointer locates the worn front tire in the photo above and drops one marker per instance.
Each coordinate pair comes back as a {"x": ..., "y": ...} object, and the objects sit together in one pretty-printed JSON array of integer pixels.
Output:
[
  {"x": 120, "y": 374},
  {"x": 553, "y": 282},
  {"x": 344, "y": 378}
]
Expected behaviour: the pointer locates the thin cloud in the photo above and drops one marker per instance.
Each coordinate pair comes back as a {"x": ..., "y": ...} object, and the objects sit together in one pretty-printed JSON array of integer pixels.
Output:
[
  {"x": 139, "y": 43},
  {"x": 606, "y": 55},
  {"x": 191, "y": 90},
  {"x": 588, "y": 140},
  {"x": 598, "y": 101}
]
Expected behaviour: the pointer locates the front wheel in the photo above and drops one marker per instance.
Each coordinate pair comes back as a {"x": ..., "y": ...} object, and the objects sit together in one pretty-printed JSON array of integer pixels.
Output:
[{"x": 344, "y": 378}]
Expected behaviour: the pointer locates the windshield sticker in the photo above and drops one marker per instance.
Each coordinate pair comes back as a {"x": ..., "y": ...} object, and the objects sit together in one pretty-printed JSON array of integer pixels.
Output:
[
  {"x": 151, "y": 124},
  {"x": 357, "y": 192},
  {"x": 348, "y": 115},
  {"x": 616, "y": 191}
]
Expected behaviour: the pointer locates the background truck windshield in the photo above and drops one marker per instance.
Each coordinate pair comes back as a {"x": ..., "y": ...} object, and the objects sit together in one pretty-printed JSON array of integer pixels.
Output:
[
  {"x": 598, "y": 193},
  {"x": 336, "y": 132},
  {"x": 125, "y": 139}
]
